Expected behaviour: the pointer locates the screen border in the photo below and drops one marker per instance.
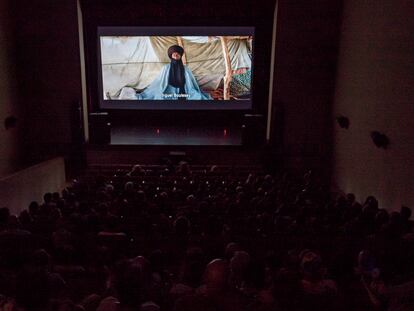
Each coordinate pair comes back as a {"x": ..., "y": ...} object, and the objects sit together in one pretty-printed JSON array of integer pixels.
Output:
[{"x": 173, "y": 31}]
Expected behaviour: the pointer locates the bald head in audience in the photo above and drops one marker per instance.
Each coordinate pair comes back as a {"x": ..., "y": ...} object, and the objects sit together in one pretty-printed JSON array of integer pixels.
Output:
[{"x": 216, "y": 274}]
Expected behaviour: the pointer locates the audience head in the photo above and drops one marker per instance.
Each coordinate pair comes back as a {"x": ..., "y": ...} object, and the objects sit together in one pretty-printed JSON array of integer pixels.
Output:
[
  {"x": 216, "y": 275},
  {"x": 311, "y": 265},
  {"x": 366, "y": 265},
  {"x": 129, "y": 187},
  {"x": 231, "y": 249},
  {"x": 238, "y": 264},
  {"x": 33, "y": 208},
  {"x": 350, "y": 198},
  {"x": 47, "y": 198},
  {"x": 127, "y": 281},
  {"x": 13, "y": 222},
  {"x": 193, "y": 267}
]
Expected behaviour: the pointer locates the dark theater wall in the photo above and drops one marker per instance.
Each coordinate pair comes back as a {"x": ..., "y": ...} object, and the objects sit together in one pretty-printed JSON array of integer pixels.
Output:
[
  {"x": 305, "y": 64},
  {"x": 375, "y": 90},
  {"x": 48, "y": 73},
  {"x": 10, "y": 138}
]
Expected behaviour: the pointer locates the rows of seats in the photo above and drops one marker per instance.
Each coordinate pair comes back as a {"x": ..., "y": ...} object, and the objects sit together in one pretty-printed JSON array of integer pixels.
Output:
[{"x": 192, "y": 237}]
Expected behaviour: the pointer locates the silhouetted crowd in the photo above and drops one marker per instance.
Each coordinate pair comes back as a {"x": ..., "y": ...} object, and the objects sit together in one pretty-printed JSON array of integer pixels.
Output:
[{"x": 214, "y": 238}]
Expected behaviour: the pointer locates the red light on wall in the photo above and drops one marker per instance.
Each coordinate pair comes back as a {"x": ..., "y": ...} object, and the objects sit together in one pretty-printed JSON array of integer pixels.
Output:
[
  {"x": 158, "y": 131},
  {"x": 225, "y": 132}
]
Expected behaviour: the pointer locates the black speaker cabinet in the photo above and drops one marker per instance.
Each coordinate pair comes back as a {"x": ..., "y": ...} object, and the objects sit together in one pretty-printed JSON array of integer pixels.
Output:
[
  {"x": 99, "y": 128},
  {"x": 253, "y": 130}
]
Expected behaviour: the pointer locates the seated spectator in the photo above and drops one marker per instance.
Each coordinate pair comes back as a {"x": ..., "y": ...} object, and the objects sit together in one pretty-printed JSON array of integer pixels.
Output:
[
  {"x": 254, "y": 287},
  {"x": 238, "y": 265},
  {"x": 319, "y": 292},
  {"x": 129, "y": 284},
  {"x": 183, "y": 169},
  {"x": 231, "y": 249},
  {"x": 182, "y": 219},
  {"x": 190, "y": 274},
  {"x": 215, "y": 293},
  {"x": 136, "y": 170}
]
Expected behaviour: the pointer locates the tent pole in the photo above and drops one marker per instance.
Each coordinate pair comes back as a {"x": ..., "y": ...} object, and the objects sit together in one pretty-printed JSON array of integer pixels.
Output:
[{"x": 228, "y": 76}]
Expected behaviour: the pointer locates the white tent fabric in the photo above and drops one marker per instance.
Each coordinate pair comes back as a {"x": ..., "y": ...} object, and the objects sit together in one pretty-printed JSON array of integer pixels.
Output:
[
  {"x": 135, "y": 61},
  {"x": 202, "y": 39}
]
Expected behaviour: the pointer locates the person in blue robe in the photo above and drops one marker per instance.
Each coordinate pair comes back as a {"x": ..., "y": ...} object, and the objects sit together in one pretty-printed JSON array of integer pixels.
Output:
[{"x": 175, "y": 81}]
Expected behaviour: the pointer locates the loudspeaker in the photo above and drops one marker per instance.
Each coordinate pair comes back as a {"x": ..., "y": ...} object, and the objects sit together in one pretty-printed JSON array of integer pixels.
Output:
[
  {"x": 253, "y": 130},
  {"x": 99, "y": 128}
]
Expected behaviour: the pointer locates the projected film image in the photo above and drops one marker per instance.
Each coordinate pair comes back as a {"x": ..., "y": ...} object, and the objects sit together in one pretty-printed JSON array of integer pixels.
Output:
[{"x": 179, "y": 68}]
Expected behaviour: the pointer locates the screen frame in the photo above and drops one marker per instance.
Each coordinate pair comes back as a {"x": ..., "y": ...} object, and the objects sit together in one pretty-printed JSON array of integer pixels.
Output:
[{"x": 245, "y": 105}]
